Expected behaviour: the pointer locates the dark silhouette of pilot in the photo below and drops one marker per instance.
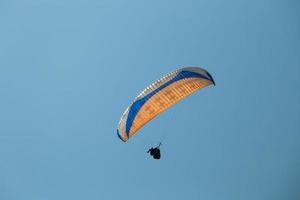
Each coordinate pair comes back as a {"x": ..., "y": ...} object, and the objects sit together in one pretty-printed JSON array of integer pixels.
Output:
[{"x": 155, "y": 152}]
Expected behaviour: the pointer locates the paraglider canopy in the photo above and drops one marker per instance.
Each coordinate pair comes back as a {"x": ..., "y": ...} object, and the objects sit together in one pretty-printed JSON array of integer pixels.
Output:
[{"x": 161, "y": 95}]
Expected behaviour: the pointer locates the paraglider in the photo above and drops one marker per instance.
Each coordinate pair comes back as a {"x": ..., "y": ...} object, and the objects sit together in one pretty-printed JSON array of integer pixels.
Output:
[
  {"x": 155, "y": 152},
  {"x": 159, "y": 96}
]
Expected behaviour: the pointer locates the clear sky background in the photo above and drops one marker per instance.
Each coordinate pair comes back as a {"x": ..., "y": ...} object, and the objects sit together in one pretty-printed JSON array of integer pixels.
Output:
[{"x": 68, "y": 69}]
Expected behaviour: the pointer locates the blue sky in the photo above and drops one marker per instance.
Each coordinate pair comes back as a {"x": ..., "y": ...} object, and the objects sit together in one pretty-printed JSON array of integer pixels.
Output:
[{"x": 68, "y": 69}]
